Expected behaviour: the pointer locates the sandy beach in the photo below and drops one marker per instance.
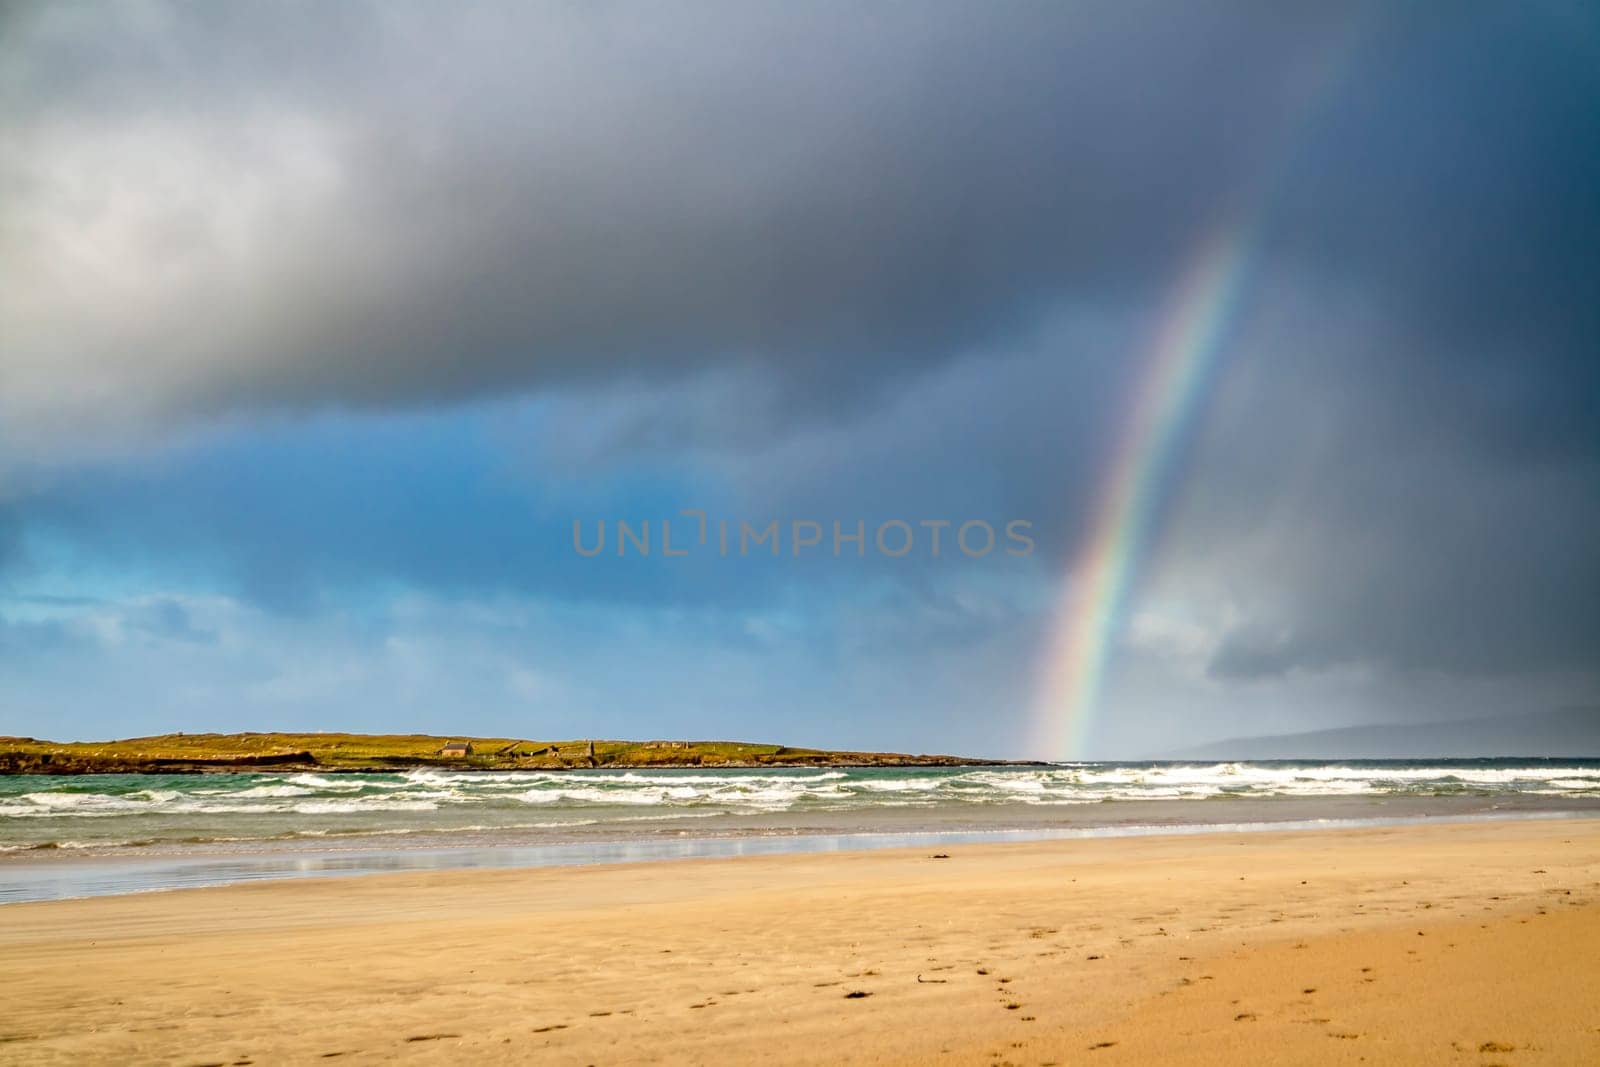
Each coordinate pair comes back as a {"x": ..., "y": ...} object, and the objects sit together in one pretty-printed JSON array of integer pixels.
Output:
[{"x": 1465, "y": 943}]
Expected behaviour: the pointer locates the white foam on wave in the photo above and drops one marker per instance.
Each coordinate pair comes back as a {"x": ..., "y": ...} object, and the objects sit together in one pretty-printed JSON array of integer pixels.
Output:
[
  {"x": 317, "y": 781},
  {"x": 268, "y": 791},
  {"x": 346, "y": 807},
  {"x": 251, "y": 807},
  {"x": 78, "y": 804},
  {"x": 902, "y": 785},
  {"x": 591, "y": 795},
  {"x": 724, "y": 779}
]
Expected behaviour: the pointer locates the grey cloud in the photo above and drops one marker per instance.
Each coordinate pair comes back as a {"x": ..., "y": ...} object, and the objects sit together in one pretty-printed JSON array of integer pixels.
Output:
[
  {"x": 24, "y": 639},
  {"x": 229, "y": 209},
  {"x": 168, "y": 620},
  {"x": 1252, "y": 653},
  {"x": 1357, "y": 504}
]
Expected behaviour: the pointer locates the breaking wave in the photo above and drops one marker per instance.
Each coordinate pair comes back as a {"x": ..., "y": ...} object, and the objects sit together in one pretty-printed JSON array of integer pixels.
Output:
[{"x": 121, "y": 810}]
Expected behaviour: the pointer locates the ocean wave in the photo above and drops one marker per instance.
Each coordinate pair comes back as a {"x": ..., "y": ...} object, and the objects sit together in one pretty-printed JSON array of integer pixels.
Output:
[
  {"x": 316, "y": 781},
  {"x": 270, "y": 791},
  {"x": 123, "y": 810}
]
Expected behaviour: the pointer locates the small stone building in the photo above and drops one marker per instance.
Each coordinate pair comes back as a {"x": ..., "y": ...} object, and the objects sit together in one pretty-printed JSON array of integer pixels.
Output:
[{"x": 457, "y": 748}]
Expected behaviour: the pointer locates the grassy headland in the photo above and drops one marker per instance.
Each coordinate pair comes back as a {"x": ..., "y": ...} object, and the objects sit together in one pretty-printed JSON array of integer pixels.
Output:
[{"x": 198, "y": 753}]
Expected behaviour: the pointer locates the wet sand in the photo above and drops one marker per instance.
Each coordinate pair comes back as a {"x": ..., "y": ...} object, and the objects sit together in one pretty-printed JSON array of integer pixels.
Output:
[{"x": 1463, "y": 943}]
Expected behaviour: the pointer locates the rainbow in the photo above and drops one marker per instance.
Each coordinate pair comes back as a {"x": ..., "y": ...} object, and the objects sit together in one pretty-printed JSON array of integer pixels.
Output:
[{"x": 1181, "y": 361}]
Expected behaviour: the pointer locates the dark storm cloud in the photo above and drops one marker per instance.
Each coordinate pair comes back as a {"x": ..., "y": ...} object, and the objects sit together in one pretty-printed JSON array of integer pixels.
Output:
[
  {"x": 1448, "y": 574},
  {"x": 1363, "y": 504},
  {"x": 225, "y": 209},
  {"x": 1459, "y": 151}
]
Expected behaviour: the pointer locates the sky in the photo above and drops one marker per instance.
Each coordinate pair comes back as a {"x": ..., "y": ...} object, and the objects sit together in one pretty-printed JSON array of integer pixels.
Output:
[{"x": 321, "y": 325}]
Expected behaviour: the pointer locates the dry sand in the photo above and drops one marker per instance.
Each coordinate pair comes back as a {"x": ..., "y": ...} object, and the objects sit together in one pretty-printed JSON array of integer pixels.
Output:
[{"x": 1455, "y": 944}]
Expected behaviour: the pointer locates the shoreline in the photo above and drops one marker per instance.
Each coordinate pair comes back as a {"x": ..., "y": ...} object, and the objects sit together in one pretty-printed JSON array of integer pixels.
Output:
[
  {"x": 1410, "y": 943},
  {"x": 56, "y": 874}
]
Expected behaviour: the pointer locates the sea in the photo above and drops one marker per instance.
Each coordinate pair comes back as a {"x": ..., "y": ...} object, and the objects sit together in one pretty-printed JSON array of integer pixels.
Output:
[{"x": 91, "y": 835}]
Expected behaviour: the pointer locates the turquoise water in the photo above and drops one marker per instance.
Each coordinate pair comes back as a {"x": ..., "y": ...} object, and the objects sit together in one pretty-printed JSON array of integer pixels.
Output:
[{"x": 69, "y": 836}]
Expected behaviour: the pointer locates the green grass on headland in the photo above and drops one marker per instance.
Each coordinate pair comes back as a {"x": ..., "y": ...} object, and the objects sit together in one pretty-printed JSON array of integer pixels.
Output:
[{"x": 179, "y": 753}]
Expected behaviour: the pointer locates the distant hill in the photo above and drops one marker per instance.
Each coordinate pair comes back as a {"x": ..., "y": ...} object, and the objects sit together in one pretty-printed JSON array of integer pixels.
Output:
[{"x": 1575, "y": 732}]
